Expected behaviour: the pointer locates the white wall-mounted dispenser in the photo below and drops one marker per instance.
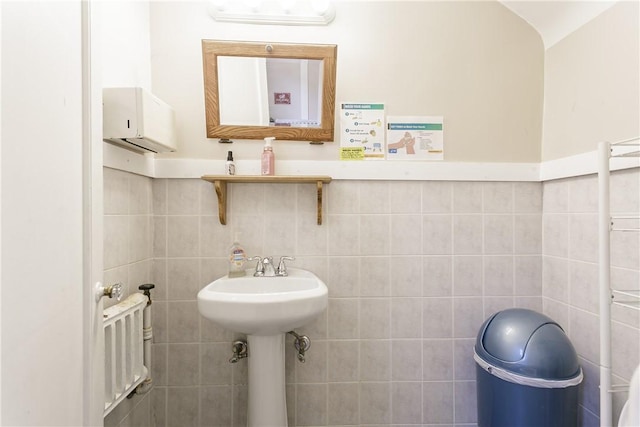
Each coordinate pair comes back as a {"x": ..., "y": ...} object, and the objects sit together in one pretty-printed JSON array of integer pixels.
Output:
[{"x": 136, "y": 119}]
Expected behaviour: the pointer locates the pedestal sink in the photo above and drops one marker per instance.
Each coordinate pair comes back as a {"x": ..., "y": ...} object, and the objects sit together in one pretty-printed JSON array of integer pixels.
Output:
[{"x": 265, "y": 308}]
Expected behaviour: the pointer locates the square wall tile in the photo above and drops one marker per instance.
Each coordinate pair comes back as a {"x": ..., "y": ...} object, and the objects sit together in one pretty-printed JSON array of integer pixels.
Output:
[
  {"x": 406, "y": 402},
  {"x": 159, "y": 196},
  {"x": 464, "y": 365},
  {"x": 343, "y": 404},
  {"x": 498, "y": 234},
  {"x": 311, "y": 404},
  {"x": 374, "y": 234},
  {"x": 183, "y": 236},
  {"x": 438, "y": 360},
  {"x": 375, "y": 360},
  {"x": 116, "y": 241},
  {"x": 375, "y": 403},
  {"x": 527, "y": 234},
  {"x": 405, "y": 197},
  {"x": 375, "y": 318},
  {"x": 465, "y": 402},
  {"x": 140, "y": 198},
  {"x": 438, "y": 276},
  {"x": 437, "y": 318},
  {"x": 406, "y": 276},
  {"x": 343, "y": 235},
  {"x": 625, "y": 191},
  {"x": 183, "y": 365},
  {"x": 280, "y": 199},
  {"x": 374, "y": 277},
  {"x": 406, "y": 360},
  {"x": 314, "y": 370},
  {"x": 555, "y": 196},
  {"x": 183, "y": 197},
  {"x": 214, "y": 363},
  {"x": 583, "y": 237},
  {"x": 343, "y": 360},
  {"x": 247, "y": 199},
  {"x": 437, "y": 197},
  {"x": 183, "y": 278},
  {"x": 437, "y": 402},
  {"x": 527, "y": 197},
  {"x": 467, "y": 275},
  {"x": 583, "y": 194},
  {"x": 116, "y": 192},
  {"x": 374, "y": 197},
  {"x": 555, "y": 235},
  {"x": 184, "y": 322},
  {"x": 140, "y": 239},
  {"x": 406, "y": 318},
  {"x": 216, "y": 406},
  {"x": 468, "y": 315},
  {"x": 467, "y": 234},
  {"x": 343, "y": 278},
  {"x": 498, "y": 275},
  {"x": 528, "y": 275},
  {"x": 182, "y": 406},
  {"x": 343, "y": 197},
  {"x": 343, "y": 318},
  {"x": 467, "y": 197},
  {"x": 437, "y": 234},
  {"x": 497, "y": 197},
  {"x": 406, "y": 235}
]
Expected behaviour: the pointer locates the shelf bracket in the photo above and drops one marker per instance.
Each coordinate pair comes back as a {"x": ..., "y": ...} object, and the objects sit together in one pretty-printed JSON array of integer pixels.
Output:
[
  {"x": 319, "y": 187},
  {"x": 221, "y": 191}
]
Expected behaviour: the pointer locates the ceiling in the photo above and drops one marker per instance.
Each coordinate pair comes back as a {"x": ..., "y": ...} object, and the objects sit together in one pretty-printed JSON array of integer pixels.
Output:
[{"x": 554, "y": 20}]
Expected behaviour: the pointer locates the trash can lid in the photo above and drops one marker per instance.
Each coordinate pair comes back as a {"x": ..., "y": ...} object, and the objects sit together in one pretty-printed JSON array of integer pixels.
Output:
[{"x": 527, "y": 343}]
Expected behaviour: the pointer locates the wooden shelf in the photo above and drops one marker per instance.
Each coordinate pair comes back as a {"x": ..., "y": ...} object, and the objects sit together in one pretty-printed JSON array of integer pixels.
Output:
[{"x": 220, "y": 184}]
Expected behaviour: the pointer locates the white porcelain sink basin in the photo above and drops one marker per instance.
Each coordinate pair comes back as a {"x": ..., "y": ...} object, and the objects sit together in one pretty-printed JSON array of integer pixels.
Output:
[{"x": 264, "y": 305}]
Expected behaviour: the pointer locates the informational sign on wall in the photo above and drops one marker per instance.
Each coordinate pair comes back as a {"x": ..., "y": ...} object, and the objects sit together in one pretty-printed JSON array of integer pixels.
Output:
[
  {"x": 361, "y": 131},
  {"x": 415, "y": 138}
]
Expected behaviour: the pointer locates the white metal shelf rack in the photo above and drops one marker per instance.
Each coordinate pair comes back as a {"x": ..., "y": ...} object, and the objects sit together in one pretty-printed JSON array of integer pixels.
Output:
[{"x": 608, "y": 224}]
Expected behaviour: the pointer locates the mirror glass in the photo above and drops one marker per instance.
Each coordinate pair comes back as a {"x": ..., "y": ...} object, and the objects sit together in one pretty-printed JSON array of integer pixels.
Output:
[
  {"x": 270, "y": 91},
  {"x": 254, "y": 90}
]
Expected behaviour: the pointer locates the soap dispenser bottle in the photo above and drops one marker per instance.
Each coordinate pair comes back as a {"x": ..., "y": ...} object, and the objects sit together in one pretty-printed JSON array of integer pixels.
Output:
[
  {"x": 268, "y": 160},
  {"x": 237, "y": 259}
]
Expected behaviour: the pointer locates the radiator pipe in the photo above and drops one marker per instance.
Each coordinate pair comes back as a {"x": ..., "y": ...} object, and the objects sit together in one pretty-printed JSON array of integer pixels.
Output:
[{"x": 147, "y": 336}]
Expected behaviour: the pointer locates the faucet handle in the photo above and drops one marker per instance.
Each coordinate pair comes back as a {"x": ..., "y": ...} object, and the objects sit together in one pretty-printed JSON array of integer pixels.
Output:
[
  {"x": 259, "y": 267},
  {"x": 282, "y": 268}
]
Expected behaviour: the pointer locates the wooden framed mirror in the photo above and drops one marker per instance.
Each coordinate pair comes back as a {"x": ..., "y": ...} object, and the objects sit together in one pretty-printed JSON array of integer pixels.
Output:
[{"x": 254, "y": 90}]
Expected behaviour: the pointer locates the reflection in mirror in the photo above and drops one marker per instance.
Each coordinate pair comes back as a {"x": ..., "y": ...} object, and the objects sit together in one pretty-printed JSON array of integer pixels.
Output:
[
  {"x": 255, "y": 90},
  {"x": 270, "y": 91}
]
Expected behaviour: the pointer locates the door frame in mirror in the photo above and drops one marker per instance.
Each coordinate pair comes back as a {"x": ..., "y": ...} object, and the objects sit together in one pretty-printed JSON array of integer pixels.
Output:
[{"x": 211, "y": 49}]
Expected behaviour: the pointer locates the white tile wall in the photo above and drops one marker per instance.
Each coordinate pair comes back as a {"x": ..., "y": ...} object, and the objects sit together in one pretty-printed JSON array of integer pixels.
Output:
[
  {"x": 128, "y": 258},
  {"x": 413, "y": 269},
  {"x": 570, "y": 276}
]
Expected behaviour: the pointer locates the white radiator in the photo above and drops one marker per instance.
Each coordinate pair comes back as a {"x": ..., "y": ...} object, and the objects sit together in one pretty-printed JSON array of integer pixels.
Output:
[{"x": 123, "y": 343}]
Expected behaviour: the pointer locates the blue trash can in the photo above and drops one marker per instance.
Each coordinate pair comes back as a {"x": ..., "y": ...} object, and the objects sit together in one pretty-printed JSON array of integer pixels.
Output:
[{"x": 527, "y": 372}]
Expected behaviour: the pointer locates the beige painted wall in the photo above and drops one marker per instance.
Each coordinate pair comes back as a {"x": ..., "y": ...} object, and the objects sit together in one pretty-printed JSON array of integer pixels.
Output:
[
  {"x": 592, "y": 84},
  {"x": 475, "y": 63}
]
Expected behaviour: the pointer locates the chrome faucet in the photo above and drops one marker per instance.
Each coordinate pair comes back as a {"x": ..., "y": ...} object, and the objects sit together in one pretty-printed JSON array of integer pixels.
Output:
[
  {"x": 268, "y": 270},
  {"x": 259, "y": 267},
  {"x": 282, "y": 268},
  {"x": 265, "y": 267}
]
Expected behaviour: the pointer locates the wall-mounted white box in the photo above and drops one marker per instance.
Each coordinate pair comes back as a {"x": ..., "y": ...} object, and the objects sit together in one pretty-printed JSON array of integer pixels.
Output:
[{"x": 138, "y": 120}]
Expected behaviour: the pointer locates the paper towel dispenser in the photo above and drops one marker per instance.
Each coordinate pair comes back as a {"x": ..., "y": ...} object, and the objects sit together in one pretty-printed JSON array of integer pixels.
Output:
[{"x": 136, "y": 119}]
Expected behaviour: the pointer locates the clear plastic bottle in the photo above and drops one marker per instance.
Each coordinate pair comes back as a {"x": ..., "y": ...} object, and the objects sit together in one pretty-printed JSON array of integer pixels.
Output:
[
  {"x": 237, "y": 259},
  {"x": 267, "y": 163}
]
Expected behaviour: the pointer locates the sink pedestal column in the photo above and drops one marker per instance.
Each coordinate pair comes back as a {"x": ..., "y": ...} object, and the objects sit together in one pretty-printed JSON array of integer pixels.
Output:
[{"x": 267, "y": 399}]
